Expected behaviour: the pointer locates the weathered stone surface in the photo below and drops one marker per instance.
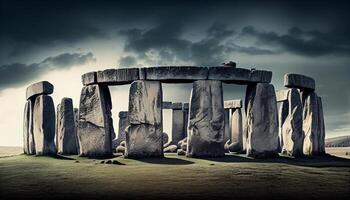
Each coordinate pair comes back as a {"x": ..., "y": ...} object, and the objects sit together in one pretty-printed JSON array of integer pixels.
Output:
[
  {"x": 118, "y": 76},
  {"x": 123, "y": 143},
  {"x": 183, "y": 141},
  {"x": 237, "y": 103},
  {"x": 282, "y": 95},
  {"x": 95, "y": 124},
  {"x": 165, "y": 138},
  {"x": 239, "y": 75},
  {"x": 181, "y": 152},
  {"x": 166, "y": 105},
  {"x": 89, "y": 78},
  {"x": 185, "y": 106},
  {"x": 43, "y": 87},
  {"x": 144, "y": 135},
  {"x": 27, "y": 127},
  {"x": 310, "y": 124},
  {"x": 185, "y": 112},
  {"x": 322, "y": 131},
  {"x": 167, "y": 123},
  {"x": 173, "y": 74},
  {"x": 76, "y": 120},
  {"x": 283, "y": 112},
  {"x": 66, "y": 133},
  {"x": 299, "y": 81},
  {"x": 176, "y": 106},
  {"x": 261, "y": 121},
  {"x": 292, "y": 125},
  {"x": 44, "y": 125},
  {"x": 177, "y": 126},
  {"x": 120, "y": 149},
  {"x": 170, "y": 149},
  {"x": 123, "y": 125},
  {"x": 236, "y": 131},
  {"x": 206, "y": 124},
  {"x": 227, "y": 132}
]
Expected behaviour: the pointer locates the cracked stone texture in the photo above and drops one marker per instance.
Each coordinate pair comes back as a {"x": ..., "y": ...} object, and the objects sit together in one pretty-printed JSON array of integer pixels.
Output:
[
  {"x": 227, "y": 132},
  {"x": 322, "y": 131},
  {"x": 299, "y": 81},
  {"x": 65, "y": 128},
  {"x": 122, "y": 126},
  {"x": 76, "y": 120},
  {"x": 177, "y": 126},
  {"x": 206, "y": 120},
  {"x": 292, "y": 125},
  {"x": 44, "y": 125},
  {"x": 236, "y": 131},
  {"x": 43, "y": 87},
  {"x": 95, "y": 126},
  {"x": 261, "y": 121},
  {"x": 144, "y": 135},
  {"x": 28, "y": 137}
]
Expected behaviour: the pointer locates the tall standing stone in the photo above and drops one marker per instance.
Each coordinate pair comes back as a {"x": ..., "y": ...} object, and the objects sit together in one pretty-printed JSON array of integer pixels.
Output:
[
  {"x": 206, "y": 124},
  {"x": 95, "y": 125},
  {"x": 76, "y": 120},
  {"x": 322, "y": 131},
  {"x": 282, "y": 115},
  {"x": 26, "y": 127},
  {"x": 292, "y": 125},
  {"x": 66, "y": 134},
  {"x": 177, "y": 132},
  {"x": 236, "y": 131},
  {"x": 185, "y": 109},
  {"x": 310, "y": 123},
  {"x": 261, "y": 121},
  {"x": 44, "y": 125},
  {"x": 144, "y": 135},
  {"x": 227, "y": 132},
  {"x": 123, "y": 124},
  {"x": 31, "y": 141}
]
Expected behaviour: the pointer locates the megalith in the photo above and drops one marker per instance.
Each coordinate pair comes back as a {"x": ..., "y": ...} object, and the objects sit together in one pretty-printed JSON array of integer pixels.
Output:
[
  {"x": 144, "y": 134},
  {"x": 261, "y": 121},
  {"x": 206, "y": 120},
  {"x": 44, "y": 125},
  {"x": 322, "y": 131},
  {"x": 123, "y": 124},
  {"x": 292, "y": 125},
  {"x": 310, "y": 123},
  {"x": 27, "y": 127},
  {"x": 65, "y": 131},
  {"x": 236, "y": 131},
  {"x": 227, "y": 132},
  {"x": 95, "y": 127},
  {"x": 177, "y": 132},
  {"x": 76, "y": 120}
]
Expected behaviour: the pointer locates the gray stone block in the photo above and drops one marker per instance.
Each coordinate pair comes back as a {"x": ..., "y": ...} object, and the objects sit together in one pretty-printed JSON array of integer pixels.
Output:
[
  {"x": 43, "y": 87},
  {"x": 177, "y": 126},
  {"x": 282, "y": 95},
  {"x": 117, "y": 76},
  {"x": 176, "y": 74},
  {"x": 239, "y": 75},
  {"x": 89, "y": 78},
  {"x": 299, "y": 81},
  {"x": 237, "y": 103},
  {"x": 176, "y": 106},
  {"x": 166, "y": 105}
]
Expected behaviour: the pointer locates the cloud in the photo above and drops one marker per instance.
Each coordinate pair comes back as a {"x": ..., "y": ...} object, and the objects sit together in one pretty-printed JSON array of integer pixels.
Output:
[
  {"x": 301, "y": 42},
  {"x": 17, "y": 74},
  {"x": 127, "y": 61}
]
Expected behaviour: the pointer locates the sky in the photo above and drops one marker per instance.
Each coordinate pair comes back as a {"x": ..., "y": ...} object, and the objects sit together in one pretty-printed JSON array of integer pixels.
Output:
[{"x": 58, "y": 41}]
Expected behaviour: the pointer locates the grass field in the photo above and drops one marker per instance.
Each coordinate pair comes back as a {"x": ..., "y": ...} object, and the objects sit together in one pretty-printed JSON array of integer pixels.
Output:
[{"x": 173, "y": 177}]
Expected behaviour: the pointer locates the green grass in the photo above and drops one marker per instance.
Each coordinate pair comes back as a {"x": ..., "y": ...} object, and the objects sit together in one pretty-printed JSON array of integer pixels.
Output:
[{"x": 174, "y": 177}]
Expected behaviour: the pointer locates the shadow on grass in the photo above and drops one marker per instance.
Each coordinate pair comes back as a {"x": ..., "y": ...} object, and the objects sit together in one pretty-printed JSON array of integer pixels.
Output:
[
  {"x": 164, "y": 161},
  {"x": 317, "y": 161},
  {"x": 62, "y": 157}
]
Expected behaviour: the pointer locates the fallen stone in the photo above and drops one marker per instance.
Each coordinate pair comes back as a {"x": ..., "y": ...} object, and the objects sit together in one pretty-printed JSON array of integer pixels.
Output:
[
  {"x": 144, "y": 135},
  {"x": 181, "y": 142},
  {"x": 66, "y": 133},
  {"x": 184, "y": 146},
  {"x": 292, "y": 126},
  {"x": 170, "y": 149},
  {"x": 95, "y": 124},
  {"x": 299, "y": 81},
  {"x": 322, "y": 131},
  {"x": 282, "y": 95},
  {"x": 123, "y": 143},
  {"x": 44, "y": 125},
  {"x": 120, "y": 149},
  {"x": 176, "y": 74},
  {"x": 239, "y": 75},
  {"x": 206, "y": 123},
  {"x": 310, "y": 124},
  {"x": 261, "y": 121},
  {"x": 229, "y": 104},
  {"x": 89, "y": 78},
  {"x": 181, "y": 152},
  {"x": 43, "y": 87},
  {"x": 236, "y": 130},
  {"x": 166, "y": 105},
  {"x": 118, "y": 76}
]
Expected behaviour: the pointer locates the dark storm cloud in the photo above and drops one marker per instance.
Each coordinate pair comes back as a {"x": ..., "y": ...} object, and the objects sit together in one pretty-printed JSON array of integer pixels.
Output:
[
  {"x": 127, "y": 61},
  {"x": 17, "y": 74},
  {"x": 306, "y": 43}
]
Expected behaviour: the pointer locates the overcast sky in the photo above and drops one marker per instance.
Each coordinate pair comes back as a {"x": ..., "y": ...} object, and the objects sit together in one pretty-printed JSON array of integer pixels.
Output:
[{"x": 60, "y": 40}]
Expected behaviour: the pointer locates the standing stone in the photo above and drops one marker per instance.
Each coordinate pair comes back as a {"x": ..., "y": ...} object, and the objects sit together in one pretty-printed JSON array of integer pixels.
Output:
[
  {"x": 236, "y": 131},
  {"x": 66, "y": 134},
  {"x": 185, "y": 108},
  {"x": 123, "y": 124},
  {"x": 310, "y": 123},
  {"x": 26, "y": 127},
  {"x": 76, "y": 120},
  {"x": 178, "y": 123},
  {"x": 292, "y": 125},
  {"x": 144, "y": 135},
  {"x": 322, "y": 131},
  {"x": 44, "y": 125},
  {"x": 227, "y": 132},
  {"x": 95, "y": 125},
  {"x": 261, "y": 121},
  {"x": 31, "y": 142},
  {"x": 282, "y": 115},
  {"x": 206, "y": 124}
]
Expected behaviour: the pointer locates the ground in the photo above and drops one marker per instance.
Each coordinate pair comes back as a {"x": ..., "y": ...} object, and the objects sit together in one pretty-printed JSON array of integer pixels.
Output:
[{"x": 173, "y": 177}]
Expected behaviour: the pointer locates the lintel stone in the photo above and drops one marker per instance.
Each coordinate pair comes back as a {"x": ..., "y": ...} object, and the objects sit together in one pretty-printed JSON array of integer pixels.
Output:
[
  {"x": 176, "y": 74},
  {"x": 89, "y": 78},
  {"x": 299, "y": 81},
  {"x": 177, "y": 106},
  {"x": 166, "y": 105},
  {"x": 42, "y": 87},
  {"x": 118, "y": 76},
  {"x": 237, "y": 103},
  {"x": 239, "y": 75}
]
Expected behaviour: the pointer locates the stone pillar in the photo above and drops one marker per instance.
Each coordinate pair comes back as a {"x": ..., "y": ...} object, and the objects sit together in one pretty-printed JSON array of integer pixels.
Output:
[
  {"x": 76, "y": 120},
  {"x": 292, "y": 124},
  {"x": 123, "y": 124},
  {"x": 66, "y": 133},
  {"x": 144, "y": 135},
  {"x": 206, "y": 124},
  {"x": 167, "y": 121},
  {"x": 178, "y": 123},
  {"x": 44, "y": 125},
  {"x": 236, "y": 131},
  {"x": 282, "y": 115},
  {"x": 310, "y": 123},
  {"x": 185, "y": 108},
  {"x": 27, "y": 127},
  {"x": 227, "y": 132},
  {"x": 322, "y": 131},
  {"x": 261, "y": 121},
  {"x": 95, "y": 126}
]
